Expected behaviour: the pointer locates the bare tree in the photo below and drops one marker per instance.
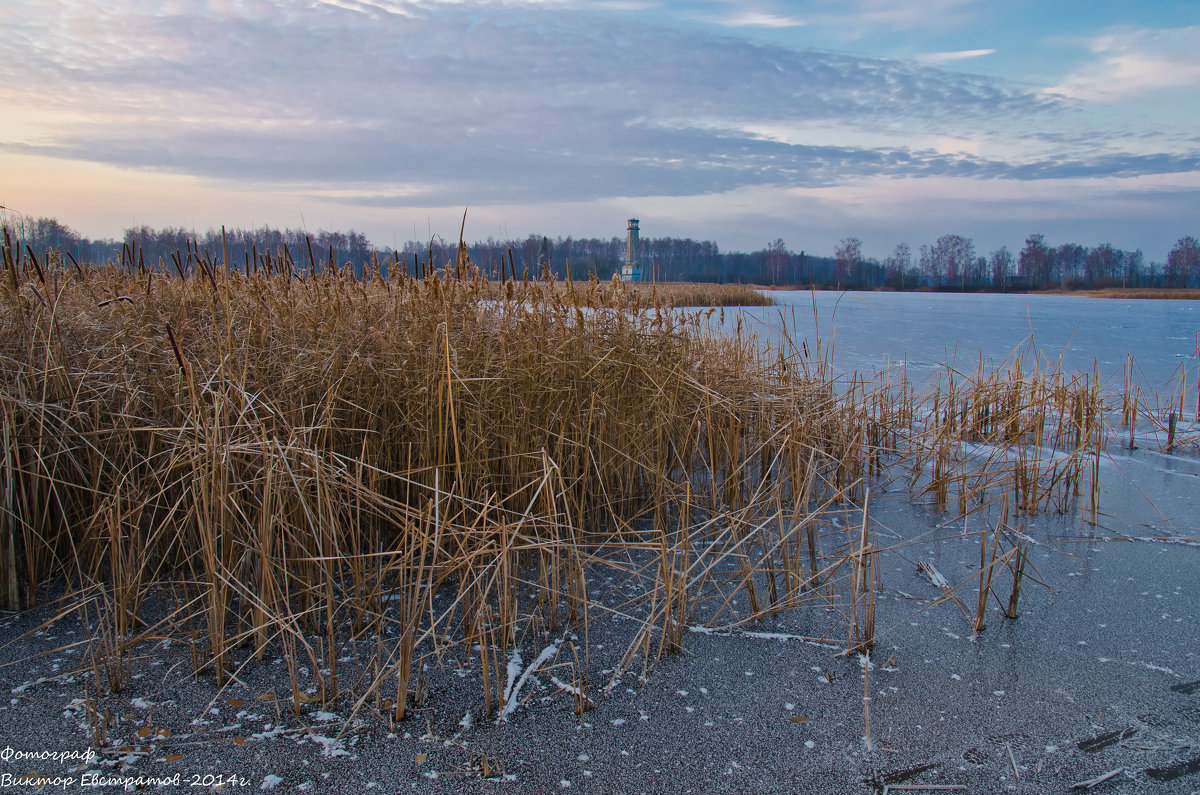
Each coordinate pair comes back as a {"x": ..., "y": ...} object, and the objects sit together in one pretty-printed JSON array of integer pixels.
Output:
[
  {"x": 1183, "y": 263},
  {"x": 898, "y": 264},
  {"x": 953, "y": 258},
  {"x": 1132, "y": 267},
  {"x": 778, "y": 258},
  {"x": 928, "y": 267},
  {"x": 1001, "y": 264},
  {"x": 1102, "y": 265},
  {"x": 1068, "y": 263},
  {"x": 847, "y": 257},
  {"x": 1033, "y": 264}
]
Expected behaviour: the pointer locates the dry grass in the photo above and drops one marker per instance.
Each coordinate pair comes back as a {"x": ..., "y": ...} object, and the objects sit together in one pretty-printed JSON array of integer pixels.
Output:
[
  {"x": 703, "y": 294},
  {"x": 1185, "y": 293},
  {"x": 669, "y": 295},
  {"x": 264, "y": 462}
]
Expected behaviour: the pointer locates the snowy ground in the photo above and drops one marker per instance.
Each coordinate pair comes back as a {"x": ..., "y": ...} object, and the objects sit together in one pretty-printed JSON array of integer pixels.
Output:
[{"x": 1097, "y": 679}]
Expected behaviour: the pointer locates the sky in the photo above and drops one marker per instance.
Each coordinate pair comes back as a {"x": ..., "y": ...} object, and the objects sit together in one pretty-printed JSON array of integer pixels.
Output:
[{"x": 739, "y": 122}]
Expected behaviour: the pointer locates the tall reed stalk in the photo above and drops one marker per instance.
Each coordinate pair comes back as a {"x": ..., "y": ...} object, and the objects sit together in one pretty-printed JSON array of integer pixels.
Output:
[{"x": 282, "y": 460}]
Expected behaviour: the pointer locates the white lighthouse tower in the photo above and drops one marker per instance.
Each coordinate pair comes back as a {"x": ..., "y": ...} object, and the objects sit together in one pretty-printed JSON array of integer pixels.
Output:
[{"x": 632, "y": 270}]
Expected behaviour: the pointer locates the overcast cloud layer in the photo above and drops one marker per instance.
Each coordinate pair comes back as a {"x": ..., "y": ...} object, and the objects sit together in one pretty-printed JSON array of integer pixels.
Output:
[{"x": 416, "y": 105}]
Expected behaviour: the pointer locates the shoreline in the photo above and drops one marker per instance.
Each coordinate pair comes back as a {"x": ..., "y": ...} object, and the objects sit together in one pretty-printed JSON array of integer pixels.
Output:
[
  {"x": 1095, "y": 678},
  {"x": 1128, "y": 293}
]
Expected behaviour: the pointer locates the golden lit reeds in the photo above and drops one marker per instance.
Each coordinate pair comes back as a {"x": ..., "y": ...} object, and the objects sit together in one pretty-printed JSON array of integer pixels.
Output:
[{"x": 285, "y": 460}]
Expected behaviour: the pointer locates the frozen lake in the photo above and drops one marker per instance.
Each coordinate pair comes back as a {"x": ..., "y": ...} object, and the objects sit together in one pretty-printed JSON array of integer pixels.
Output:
[{"x": 867, "y": 330}]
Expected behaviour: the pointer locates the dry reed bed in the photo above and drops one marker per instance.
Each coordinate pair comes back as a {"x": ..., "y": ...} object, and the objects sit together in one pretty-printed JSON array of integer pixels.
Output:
[
  {"x": 1158, "y": 293},
  {"x": 702, "y": 294},
  {"x": 285, "y": 464},
  {"x": 644, "y": 295}
]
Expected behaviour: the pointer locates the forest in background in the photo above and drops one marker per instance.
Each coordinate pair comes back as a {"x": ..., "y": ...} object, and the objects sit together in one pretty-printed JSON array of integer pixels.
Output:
[{"x": 950, "y": 263}]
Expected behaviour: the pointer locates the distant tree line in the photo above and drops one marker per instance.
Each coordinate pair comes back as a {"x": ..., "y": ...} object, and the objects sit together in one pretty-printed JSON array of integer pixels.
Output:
[
  {"x": 952, "y": 263},
  {"x": 949, "y": 263}
]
